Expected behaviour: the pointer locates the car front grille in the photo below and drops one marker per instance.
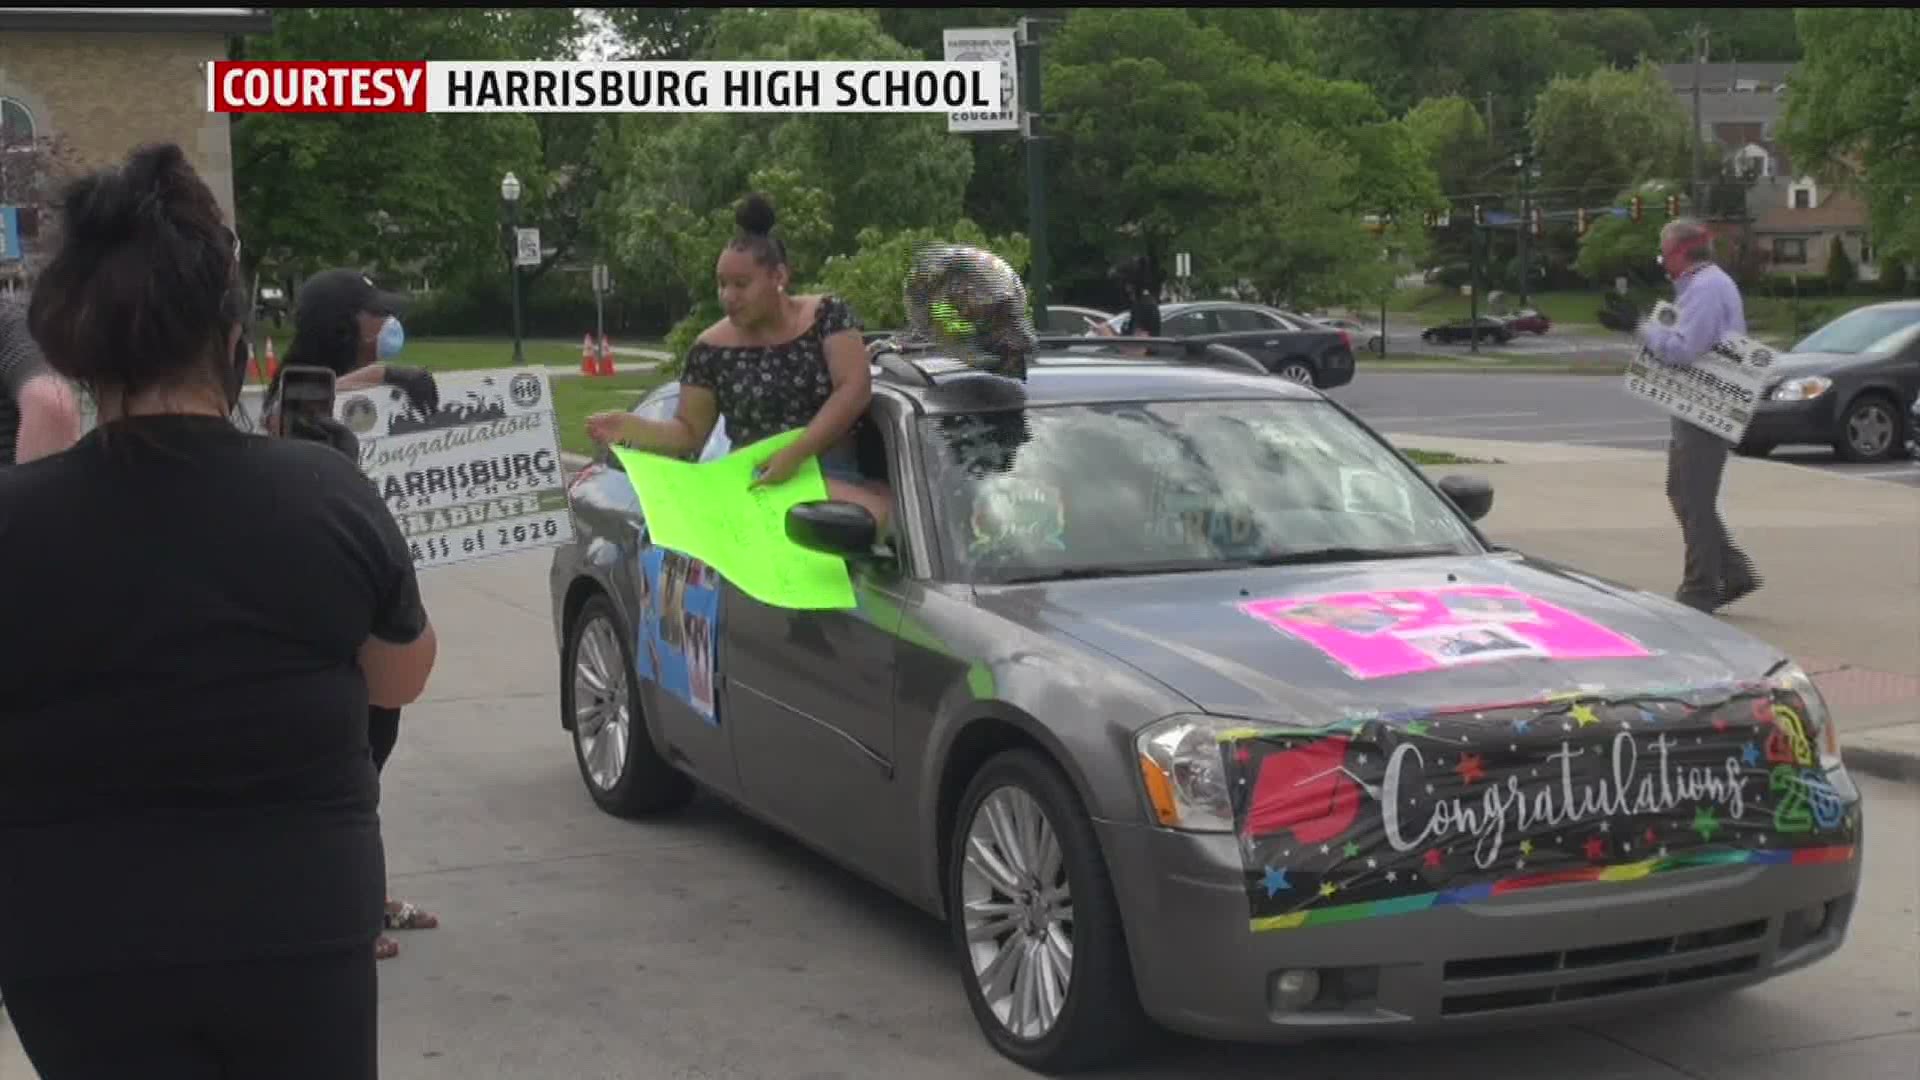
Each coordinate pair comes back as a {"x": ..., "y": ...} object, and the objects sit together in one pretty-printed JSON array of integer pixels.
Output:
[{"x": 1528, "y": 980}]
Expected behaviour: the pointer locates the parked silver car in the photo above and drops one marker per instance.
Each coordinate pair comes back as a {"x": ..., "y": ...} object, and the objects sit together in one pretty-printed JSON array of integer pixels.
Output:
[{"x": 1182, "y": 695}]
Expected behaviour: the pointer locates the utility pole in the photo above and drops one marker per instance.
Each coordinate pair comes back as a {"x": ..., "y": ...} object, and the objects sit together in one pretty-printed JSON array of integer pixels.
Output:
[
  {"x": 1699, "y": 58},
  {"x": 1036, "y": 168},
  {"x": 1524, "y": 160}
]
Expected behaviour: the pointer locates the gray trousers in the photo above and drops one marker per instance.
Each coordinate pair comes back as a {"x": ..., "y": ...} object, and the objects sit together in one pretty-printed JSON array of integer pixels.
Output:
[{"x": 1696, "y": 460}]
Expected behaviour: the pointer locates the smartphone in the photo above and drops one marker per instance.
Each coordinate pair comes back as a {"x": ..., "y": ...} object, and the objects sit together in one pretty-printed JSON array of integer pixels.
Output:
[{"x": 306, "y": 391}]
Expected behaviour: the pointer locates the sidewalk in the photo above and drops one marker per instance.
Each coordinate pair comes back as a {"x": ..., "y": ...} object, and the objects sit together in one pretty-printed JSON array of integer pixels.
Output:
[{"x": 1839, "y": 557}]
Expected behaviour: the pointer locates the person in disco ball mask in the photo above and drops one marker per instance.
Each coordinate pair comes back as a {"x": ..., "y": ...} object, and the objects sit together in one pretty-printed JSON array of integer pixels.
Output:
[{"x": 973, "y": 301}]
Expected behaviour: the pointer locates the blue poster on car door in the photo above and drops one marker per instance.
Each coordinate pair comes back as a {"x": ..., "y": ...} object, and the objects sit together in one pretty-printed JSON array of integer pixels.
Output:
[{"x": 679, "y": 616}]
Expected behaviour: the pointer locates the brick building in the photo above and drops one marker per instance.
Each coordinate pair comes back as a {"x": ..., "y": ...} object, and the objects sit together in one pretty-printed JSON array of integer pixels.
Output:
[{"x": 96, "y": 82}]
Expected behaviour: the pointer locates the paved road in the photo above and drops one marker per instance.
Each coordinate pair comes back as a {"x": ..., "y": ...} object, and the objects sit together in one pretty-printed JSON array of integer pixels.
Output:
[
  {"x": 705, "y": 947},
  {"x": 1578, "y": 409}
]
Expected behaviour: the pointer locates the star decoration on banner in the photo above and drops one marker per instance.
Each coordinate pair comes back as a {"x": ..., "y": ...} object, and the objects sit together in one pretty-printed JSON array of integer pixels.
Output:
[
  {"x": 1328, "y": 888},
  {"x": 1751, "y": 755},
  {"x": 1351, "y": 850},
  {"x": 1647, "y": 716},
  {"x": 1705, "y": 823},
  {"x": 1719, "y": 724},
  {"x": 1243, "y": 755},
  {"x": 1470, "y": 769},
  {"x": 1432, "y": 858},
  {"x": 1418, "y": 729},
  {"x": 1393, "y": 876},
  {"x": 1521, "y": 725},
  {"x": 1526, "y": 847},
  {"x": 1276, "y": 881},
  {"x": 1583, "y": 715},
  {"x": 1596, "y": 849},
  {"x": 1652, "y": 838}
]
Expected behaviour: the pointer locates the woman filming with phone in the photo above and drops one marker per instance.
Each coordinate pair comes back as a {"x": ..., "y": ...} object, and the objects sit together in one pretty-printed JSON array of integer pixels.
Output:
[{"x": 185, "y": 782}]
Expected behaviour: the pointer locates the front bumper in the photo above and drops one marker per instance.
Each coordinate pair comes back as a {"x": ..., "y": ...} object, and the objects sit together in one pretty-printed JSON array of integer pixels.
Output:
[
  {"x": 1789, "y": 422},
  {"x": 1535, "y": 957}
]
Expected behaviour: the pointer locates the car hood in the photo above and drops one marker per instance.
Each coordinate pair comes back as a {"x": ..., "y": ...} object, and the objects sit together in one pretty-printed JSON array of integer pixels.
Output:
[
  {"x": 1204, "y": 636},
  {"x": 1796, "y": 365}
]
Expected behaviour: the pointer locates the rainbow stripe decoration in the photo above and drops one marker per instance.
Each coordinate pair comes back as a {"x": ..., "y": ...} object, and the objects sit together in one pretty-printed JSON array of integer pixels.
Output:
[{"x": 1634, "y": 871}]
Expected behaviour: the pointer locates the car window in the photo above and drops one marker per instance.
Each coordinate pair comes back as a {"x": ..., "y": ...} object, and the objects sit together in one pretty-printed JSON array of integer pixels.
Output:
[
  {"x": 664, "y": 402},
  {"x": 1864, "y": 331},
  {"x": 1240, "y": 320},
  {"x": 1188, "y": 324},
  {"x": 1208, "y": 483}
]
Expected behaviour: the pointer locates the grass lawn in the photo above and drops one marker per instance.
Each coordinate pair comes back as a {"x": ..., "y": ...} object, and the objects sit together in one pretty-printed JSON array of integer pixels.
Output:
[
  {"x": 575, "y": 399},
  {"x": 1441, "y": 457},
  {"x": 1770, "y": 317}
]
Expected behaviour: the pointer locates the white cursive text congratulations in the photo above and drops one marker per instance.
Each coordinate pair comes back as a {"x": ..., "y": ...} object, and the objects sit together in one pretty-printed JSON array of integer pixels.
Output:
[{"x": 1565, "y": 803}]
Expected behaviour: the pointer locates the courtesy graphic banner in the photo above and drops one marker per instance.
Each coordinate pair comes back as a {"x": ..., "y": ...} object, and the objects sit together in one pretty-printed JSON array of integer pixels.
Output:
[
  {"x": 1390, "y": 815},
  {"x": 1379, "y": 634}
]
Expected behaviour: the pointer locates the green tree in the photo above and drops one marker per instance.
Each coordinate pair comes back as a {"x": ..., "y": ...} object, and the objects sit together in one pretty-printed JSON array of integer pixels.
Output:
[
  {"x": 1602, "y": 132},
  {"x": 1620, "y": 37},
  {"x": 872, "y": 278},
  {"x": 1734, "y": 34},
  {"x": 391, "y": 191},
  {"x": 1841, "y": 273},
  {"x": 1852, "y": 114},
  {"x": 1617, "y": 247}
]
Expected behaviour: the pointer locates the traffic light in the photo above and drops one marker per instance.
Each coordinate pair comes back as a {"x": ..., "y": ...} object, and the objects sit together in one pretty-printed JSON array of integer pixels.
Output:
[
  {"x": 1478, "y": 217},
  {"x": 1673, "y": 206},
  {"x": 1580, "y": 221},
  {"x": 1539, "y": 223},
  {"x": 1638, "y": 206}
]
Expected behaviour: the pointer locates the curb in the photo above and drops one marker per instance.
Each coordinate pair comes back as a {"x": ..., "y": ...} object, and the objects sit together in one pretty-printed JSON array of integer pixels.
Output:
[{"x": 1443, "y": 367}]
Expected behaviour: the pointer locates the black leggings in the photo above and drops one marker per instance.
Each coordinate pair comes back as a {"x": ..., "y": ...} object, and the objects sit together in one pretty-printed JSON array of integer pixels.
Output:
[{"x": 305, "y": 1018}]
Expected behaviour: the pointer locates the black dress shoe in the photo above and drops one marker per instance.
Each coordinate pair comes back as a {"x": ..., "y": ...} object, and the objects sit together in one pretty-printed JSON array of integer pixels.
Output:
[
  {"x": 1705, "y": 604},
  {"x": 1738, "y": 590}
]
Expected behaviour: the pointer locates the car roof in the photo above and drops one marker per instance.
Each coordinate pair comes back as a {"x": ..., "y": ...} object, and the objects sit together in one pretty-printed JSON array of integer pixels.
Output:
[{"x": 937, "y": 383}]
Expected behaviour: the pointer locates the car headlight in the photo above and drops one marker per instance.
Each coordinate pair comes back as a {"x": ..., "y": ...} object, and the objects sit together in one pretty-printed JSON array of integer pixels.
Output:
[
  {"x": 1819, "y": 719},
  {"x": 1185, "y": 772},
  {"x": 1805, "y": 388}
]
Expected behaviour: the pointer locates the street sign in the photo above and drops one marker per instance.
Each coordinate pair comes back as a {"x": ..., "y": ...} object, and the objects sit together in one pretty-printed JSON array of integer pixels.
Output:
[
  {"x": 9, "y": 234},
  {"x": 526, "y": 247},
  {"x": 1183, "y": 265},
  {"x": 990, "y": 44},
  {"x": 602, "y": 280}
]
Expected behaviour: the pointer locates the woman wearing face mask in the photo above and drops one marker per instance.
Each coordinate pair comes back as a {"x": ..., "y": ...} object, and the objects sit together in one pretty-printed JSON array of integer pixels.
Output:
[
  {"x": 775, "y": 363},
  {"x": 344, "y": 323},
  {"x": 189, "y": 815}
]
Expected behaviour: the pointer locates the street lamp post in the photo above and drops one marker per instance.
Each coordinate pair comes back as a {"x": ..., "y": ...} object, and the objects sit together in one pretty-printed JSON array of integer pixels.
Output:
[
  {"x": 1524, "y": 163},
  {"x": 510, "y": 194}
]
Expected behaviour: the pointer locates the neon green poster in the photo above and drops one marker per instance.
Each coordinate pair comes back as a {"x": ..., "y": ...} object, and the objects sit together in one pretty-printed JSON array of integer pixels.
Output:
[{"x": 712, "y": 512}]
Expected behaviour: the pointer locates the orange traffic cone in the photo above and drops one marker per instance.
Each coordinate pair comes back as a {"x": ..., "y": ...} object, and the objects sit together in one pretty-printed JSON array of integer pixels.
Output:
[
  {"x": 606, "y": 356},
  {"x": 586, "y": 354},
  {"x": 273, "y": 362},
  {"x": 253, "y": 361}
]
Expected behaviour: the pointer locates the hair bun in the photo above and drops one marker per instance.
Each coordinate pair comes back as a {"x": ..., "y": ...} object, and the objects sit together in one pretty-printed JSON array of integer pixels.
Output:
[
  {"x": 110, "y": 206},
  {"x": 755, "y": 214}
]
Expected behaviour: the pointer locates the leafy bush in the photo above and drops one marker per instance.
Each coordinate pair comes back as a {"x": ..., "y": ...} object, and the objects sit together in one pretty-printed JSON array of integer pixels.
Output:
[{"x": 1842, "y": 275}]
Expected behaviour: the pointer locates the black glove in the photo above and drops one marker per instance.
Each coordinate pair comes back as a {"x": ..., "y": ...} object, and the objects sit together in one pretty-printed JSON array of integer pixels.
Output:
[
  {"x": 417, "y": 384},
  {"x": 325, "y": 430}
]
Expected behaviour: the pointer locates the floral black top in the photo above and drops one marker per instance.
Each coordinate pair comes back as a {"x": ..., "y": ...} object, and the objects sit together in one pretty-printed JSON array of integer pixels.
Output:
[{"x": 763, "y": 390}]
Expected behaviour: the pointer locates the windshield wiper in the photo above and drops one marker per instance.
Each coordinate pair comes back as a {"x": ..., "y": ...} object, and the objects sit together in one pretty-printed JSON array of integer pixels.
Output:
[
  {"x": 1072, "y": 573},
  {"x": 1351, "y": 554}
]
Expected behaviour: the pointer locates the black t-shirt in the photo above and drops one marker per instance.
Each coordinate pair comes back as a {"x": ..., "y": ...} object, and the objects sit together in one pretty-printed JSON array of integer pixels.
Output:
[
  {"x": 184, "y": 769},
  {"x": 763, "y": 390},
  {"x": 1143, "y": 316},
  {"x": 20, "y": 360}
]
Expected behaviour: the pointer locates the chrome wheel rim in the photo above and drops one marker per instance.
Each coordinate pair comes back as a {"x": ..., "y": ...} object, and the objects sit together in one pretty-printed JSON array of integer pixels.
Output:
[
  {"x": 1018, "y": 913},
  {"x": 1298, "y": 373},
  {"x": 602, "y": 719},
  {"x": 1870, "y": 429}
]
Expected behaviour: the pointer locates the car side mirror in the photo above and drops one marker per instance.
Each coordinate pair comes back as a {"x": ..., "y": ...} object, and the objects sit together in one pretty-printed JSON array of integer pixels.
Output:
[
  {"x": 833, "y": 527},
  {"x": 1472, "y": 494}
]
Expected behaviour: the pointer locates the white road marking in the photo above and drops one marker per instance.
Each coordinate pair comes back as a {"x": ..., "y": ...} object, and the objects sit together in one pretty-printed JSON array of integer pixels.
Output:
[
  {"x": 1556, "y": 425},
  {"x": 1442, "y": 419},
  {"x": 1911, "y": 471}
]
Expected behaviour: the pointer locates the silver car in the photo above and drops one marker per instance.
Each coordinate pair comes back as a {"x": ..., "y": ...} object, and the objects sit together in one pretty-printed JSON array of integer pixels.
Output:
[{"x": 1181, "y": 695}]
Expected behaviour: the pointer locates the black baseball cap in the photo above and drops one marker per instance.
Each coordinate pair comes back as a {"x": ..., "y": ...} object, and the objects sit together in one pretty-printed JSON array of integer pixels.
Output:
[{"x": 332, "y": 294}]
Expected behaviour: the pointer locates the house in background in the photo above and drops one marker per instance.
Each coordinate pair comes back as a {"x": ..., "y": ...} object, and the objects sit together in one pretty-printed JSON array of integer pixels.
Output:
[
  {"x": 100, "y": 81},
  {"x": 1791, "y": 218}
]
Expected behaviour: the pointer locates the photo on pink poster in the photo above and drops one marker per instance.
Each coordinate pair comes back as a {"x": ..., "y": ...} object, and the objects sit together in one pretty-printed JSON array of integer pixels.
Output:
[{"x": 1403, "y": 632}]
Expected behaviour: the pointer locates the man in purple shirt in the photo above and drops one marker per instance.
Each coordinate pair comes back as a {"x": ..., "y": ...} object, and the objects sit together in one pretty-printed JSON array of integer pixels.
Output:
[{"x": 1708, "y": 308}]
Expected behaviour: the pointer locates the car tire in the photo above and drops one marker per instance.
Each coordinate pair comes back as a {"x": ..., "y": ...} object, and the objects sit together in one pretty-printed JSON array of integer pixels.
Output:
[
  {"x": 1426, "y": 336},
  {"x": 1295, "y": 370},
  {"x": 1100, "y": 1020},
  {"x": 1872, "y": 429},
  {"x": 624, "y": 773}
]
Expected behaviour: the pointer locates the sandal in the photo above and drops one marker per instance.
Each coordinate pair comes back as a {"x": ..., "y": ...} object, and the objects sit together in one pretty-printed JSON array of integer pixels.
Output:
[
  {"x": 385, "y": 948},
  {"x": 405, "y": 916}
]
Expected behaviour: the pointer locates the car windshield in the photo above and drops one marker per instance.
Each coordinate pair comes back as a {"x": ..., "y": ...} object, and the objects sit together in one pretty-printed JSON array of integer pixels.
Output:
[
  {"x": 1865, "y": 331},
  {"x": 1129, "y": 488}
]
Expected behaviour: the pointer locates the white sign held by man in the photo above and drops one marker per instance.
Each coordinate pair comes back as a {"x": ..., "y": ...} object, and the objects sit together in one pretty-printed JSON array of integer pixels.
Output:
[
  {"x": 994, "y": 45},
  {"x": 481, "y": 476},
  {"x": 1717, "y": 392}
]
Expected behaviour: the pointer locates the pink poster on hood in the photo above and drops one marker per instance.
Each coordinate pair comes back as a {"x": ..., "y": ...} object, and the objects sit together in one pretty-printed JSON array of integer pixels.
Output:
[{"x": 1379, "y": 634}]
